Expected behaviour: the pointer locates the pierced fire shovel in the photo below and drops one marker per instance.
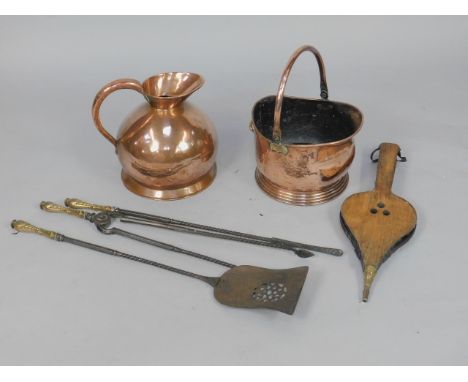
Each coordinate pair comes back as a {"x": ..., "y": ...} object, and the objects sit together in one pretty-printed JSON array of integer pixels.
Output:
[{"x": 241, "y": 286}]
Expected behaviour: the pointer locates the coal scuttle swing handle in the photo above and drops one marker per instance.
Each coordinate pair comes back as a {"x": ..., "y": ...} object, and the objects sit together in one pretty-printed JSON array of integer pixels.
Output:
[{"x": 284, "y": 79}]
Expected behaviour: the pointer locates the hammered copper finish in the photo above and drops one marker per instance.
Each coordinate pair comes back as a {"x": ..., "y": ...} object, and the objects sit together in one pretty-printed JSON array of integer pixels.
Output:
[
  {"x": 304, "y": 146},
  {"x": 166, "y": 146}
]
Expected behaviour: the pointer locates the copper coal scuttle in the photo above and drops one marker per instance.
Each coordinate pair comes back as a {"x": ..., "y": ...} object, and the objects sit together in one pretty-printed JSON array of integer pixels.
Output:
[{"x": 304, "y": 146}]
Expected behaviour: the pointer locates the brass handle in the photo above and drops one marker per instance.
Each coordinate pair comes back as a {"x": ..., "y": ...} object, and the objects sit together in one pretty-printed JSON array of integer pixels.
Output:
[
  {"x": 284, "y": 79},
  {"x": 23, "y": 226},
  {"x": 81, "y": 204},
  {"x": 125, "y": 83},
  {"x": 57, "y": 208}
]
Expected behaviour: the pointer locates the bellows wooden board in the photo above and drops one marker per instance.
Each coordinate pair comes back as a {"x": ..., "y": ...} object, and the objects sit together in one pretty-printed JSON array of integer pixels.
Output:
[{"x": 378, "y": 222}]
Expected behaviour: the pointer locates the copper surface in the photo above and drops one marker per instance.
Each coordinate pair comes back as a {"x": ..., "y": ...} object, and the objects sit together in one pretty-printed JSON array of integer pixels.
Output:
[
  {"x": 166, "y": 146},
  {"x": 169, "y": 194},
  {"x": 302, "y": 173},
  {"x": 284, "y": 80},
  {"x": 301, "y": 198}
]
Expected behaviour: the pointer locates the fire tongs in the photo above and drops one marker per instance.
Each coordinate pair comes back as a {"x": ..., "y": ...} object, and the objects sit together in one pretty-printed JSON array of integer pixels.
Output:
[{"x": 105, "y": 214}]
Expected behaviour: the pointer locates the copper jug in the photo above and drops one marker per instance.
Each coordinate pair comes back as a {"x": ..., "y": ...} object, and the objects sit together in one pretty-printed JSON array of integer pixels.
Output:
[
  {"x": 304, "y": 146},
  {"x": 166, "y": 146}
]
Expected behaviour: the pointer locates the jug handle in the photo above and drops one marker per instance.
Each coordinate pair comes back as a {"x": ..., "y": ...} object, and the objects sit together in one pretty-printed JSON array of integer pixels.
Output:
[
  {"x": 284, "y": 79},
  {"x": 125, "y": 83}
]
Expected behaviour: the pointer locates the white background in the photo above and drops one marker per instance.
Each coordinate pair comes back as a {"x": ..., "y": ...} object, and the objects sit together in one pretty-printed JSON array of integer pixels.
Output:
[{"x": 65, "y": 305}]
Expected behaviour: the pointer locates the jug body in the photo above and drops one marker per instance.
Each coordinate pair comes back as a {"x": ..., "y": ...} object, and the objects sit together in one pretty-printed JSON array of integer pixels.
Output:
[
  {"x": 167, "y": 153},
  {"x": 167, "y": 146}
]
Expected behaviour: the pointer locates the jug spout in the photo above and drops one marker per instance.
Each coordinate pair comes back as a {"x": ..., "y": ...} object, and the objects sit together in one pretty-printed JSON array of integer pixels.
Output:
[{"x": 168, "y": 90}]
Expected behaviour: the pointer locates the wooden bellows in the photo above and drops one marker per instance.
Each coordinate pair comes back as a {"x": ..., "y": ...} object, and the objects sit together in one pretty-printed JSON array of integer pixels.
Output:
[{"x": 378, "y": 222}]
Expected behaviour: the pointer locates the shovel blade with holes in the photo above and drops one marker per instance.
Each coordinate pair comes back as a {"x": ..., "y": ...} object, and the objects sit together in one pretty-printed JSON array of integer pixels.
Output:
[{"x": 246, "y": 286}]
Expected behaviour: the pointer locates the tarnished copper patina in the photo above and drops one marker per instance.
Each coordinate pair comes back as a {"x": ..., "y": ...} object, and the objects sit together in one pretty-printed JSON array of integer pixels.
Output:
[
  {"x": 166, "y": 146},
  {"x": 304, "y": 146}
]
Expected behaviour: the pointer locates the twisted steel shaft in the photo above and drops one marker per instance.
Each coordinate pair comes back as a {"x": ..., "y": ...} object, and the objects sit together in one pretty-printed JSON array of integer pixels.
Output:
[
  {"x": 109, "y": 251},
  {"x": 160, "y": 244},
  {"x": 182, "y": 226}
]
